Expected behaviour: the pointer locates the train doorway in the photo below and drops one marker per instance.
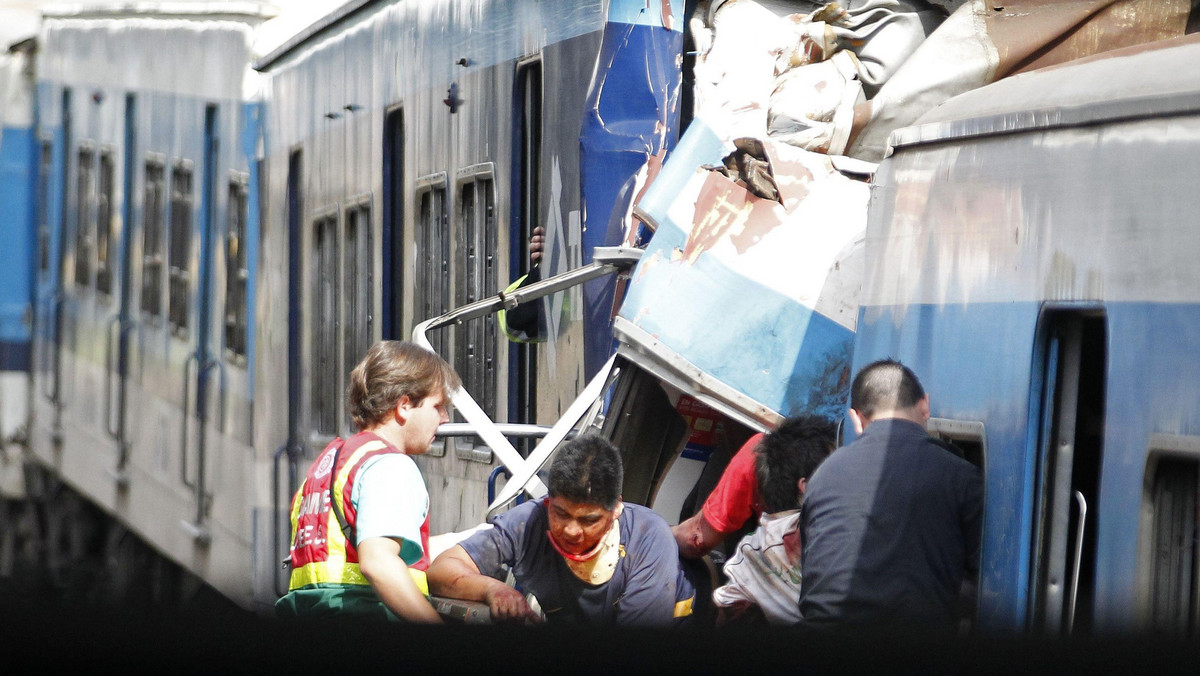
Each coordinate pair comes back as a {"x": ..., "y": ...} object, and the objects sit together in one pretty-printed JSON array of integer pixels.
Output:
[{"x": 1070, "y": 453}]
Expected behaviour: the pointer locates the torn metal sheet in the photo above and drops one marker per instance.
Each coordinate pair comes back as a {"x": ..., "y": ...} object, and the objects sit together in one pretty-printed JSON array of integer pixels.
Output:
[
  {"x": 760, "y": 295},
  {"x": 986, "y": 40}
]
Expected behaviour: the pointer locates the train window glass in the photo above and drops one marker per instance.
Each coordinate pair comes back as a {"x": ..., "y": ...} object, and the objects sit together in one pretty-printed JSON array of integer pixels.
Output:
[
  {"x": 325, "y": 387},
  {"x": 153, "y": 238},
  {"x": 1170, "y": 530},
  {"x": 84, "y": 236},
  {"x": 45, "y": 166},
  {"x": 180, "y": 248},
  {"x": 476, "y": 278},
  {"x": 432, "y": 255},
  {"x": 357, "y": 299},
  {"x": 236, "y": 271},
  {"x": 105, "y": 247}
]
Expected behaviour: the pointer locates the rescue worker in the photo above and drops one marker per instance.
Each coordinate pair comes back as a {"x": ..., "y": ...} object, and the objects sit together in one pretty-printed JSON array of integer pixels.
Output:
[
  {"x": 360, "y": 521},
  {"x": 583, "y": 554}
]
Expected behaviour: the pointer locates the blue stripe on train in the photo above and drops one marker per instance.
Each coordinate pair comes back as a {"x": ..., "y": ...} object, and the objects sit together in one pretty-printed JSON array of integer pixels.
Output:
[
  {"x": 978, "y": 363},
  {"x": 17, "y": 241}
]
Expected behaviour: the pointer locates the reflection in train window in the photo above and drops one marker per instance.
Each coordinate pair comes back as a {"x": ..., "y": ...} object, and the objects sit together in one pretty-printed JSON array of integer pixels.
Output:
[
  {"x": 1170, "y": 559},
  {"x": 476, "y": 277},
  {"x": 84, "y": 237},
  {"x": 324, "y": 329},
  {"x": 105, "y": 246},
  {"x": 236, "y": 271},
  {"x": 432, "y": 256},
  {"x": 180, "y": 251},
  {"x": 357, "y": 282},
  {"x": 153, "y": 239}
]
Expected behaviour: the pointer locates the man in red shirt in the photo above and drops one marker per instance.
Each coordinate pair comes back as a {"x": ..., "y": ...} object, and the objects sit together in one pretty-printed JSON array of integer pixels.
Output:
[{"x": 727, "y": 508}]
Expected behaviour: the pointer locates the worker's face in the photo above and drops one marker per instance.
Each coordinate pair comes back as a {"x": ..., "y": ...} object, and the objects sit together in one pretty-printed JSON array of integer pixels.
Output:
[
  {"x": 420, "y": 421},
  {"x": 577, "y": 527}
]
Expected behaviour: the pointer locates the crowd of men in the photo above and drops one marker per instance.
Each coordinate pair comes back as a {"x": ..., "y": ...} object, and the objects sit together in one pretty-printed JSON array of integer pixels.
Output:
[{"x": 882, "y": 531}]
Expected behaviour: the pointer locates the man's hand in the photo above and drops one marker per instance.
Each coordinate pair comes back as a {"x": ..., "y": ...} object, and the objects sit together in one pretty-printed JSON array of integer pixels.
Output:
[
  {"x": 508, "y": 604},
  {"x": 537, "y": 241}
]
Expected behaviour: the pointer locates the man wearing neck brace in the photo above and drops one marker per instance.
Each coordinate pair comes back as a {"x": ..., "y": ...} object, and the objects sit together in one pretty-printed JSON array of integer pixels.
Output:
[{"x": 584, "y": 555}]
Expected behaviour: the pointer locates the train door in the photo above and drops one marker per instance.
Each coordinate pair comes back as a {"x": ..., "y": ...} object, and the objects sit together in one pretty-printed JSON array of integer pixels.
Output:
[
  {"x": 1069, "y": 459},
  {"x": 202, "y": 367},
  {"x": 527, "y": 152},
  {"x": 117, "y": 352}
]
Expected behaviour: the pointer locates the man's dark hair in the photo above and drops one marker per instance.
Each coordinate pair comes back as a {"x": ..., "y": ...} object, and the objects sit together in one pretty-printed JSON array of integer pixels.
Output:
[
  {"x": 884, "y": 385},
  {"x": 790, "y": 453},
  {"x": 588, "y": 470}
]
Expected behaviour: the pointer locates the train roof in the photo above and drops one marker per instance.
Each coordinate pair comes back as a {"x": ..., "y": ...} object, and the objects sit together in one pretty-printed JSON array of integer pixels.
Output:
[
  {"x": 251, "y": 12},
  {"x": 318, "y": 28},
  {"x": 1148, "y": 80}
]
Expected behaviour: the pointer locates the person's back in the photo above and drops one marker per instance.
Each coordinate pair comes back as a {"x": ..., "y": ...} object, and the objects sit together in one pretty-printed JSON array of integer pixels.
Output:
[
  {"x": 890, "y": 523},
  {"x": 895, "y": 551}
]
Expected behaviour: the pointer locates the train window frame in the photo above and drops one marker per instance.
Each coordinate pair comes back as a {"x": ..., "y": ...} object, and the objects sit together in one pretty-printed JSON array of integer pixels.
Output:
[
  {"x": 237, "y": 269},
  {"x": 154, "y": 236},
  {"x": 85, "y": 186},
  {"x": 956, "y": 431},
  {"x": 436, "y": 189},
  {"x": 1167, "y": 450},
  {"x": 180, "y": 254},
  {"x": 106, "y": 232},
  {"x": 475, "y": 280},
  {"x": 324, "y": 343},
  {"x": 357, "y": 290}
]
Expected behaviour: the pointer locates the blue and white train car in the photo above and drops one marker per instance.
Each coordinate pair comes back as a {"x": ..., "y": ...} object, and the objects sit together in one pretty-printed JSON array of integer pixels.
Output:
[
  {"x": 17, "y": 245},
  {"x": 411, "y": 149},
  {"x": 144, "y": 345},
  {"x": 1031, "y": 254}
]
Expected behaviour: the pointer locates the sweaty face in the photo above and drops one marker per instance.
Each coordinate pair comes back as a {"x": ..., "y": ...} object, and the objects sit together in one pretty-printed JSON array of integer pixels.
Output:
[
  {"x": 577, "y": 527},
  {"x": 421, "y": 422}
]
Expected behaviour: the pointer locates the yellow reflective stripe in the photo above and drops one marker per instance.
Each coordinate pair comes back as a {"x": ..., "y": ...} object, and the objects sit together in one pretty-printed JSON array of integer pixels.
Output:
[
  {"x": 337, "y": 572},
  {"x": 684, "y": 608},
  {"x": 340, "y": 572}
]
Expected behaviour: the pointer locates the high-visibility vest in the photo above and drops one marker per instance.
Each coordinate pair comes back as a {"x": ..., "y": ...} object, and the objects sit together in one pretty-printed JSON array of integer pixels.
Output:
[{"x": 321, "y": 553}]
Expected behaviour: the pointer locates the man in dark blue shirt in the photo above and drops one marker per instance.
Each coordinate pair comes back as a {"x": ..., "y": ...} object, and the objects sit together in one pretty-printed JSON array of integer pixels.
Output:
[
  {"x": 891, "y": 523},
  {"x": 582, "y": 553}
]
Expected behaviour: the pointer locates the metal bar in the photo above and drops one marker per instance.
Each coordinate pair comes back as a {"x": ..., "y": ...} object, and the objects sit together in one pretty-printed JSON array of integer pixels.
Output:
[
  {"x": 1082, "y": 502},
  {"x": 510, "y": 430},
  {"x": 109, "y": 372},
  {"x": 185, "y": 410}
]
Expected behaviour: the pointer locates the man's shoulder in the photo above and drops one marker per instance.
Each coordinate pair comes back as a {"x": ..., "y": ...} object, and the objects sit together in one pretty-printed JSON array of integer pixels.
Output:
[{"x": 643, "y": 521}]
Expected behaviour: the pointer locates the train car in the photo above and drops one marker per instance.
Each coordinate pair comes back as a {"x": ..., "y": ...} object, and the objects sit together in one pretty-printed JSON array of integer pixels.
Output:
[
  {"x": 144, "y": 346},
  {"x": 1031, "y": 251},
  {"x": 411, "y": 149},
  {"x": 17, "y": 232}
]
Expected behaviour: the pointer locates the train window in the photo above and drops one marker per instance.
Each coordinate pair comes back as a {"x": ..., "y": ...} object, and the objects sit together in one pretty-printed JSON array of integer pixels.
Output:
[
  {"x": 325, "y": 386},
  {"x": 476, "y": 279},
  {"x": 105, "y": 247},
  {"x": 153, "y": 238},
  {"x": 84, "y": 236},
  {"x": 357, "y": 282},
  {"x": 180, "y": 247},
  {"x": 967, "y": 436},
  {"x": 432, "y": 255},
  {"x": 236, "y": 270},
  {"x": 1170, "y": 554},
  {"x": 45, "y": 166}
]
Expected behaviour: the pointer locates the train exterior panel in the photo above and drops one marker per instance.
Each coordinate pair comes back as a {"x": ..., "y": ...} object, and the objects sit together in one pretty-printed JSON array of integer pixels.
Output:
[
  {"x": 442, "y": 134},
  {"x": 143, "y": 371},
  {"x": 1031, "y": 255}
]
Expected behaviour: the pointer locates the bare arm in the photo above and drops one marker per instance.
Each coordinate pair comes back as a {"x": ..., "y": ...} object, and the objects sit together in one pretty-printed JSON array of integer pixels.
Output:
[
  {"x": 454, "y": 574},
  {"x": 696, "y": 536},
  {"x": 379, "y": 559}
]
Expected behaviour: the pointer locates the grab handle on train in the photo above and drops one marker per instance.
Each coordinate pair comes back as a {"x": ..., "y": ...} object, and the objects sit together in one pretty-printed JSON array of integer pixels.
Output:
[
  {"x": 186, "y": 411},
  {"x": 1075, "y": 566},
  {"x": 111, "y": 338}
]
